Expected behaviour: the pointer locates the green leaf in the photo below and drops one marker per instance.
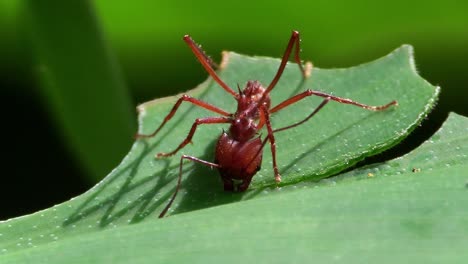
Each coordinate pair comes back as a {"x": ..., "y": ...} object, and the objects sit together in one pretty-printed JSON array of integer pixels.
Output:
[
  {"x": 338, "y": 137},
  {"x": 396, "y": 215}
]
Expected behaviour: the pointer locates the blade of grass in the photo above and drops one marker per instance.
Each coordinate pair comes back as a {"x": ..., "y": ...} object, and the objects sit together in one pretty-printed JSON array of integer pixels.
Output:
[{"x": 81, "y": 83}]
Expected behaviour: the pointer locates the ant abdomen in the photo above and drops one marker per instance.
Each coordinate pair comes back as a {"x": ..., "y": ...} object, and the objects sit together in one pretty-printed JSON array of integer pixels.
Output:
[{"x": 238, "y": 161}]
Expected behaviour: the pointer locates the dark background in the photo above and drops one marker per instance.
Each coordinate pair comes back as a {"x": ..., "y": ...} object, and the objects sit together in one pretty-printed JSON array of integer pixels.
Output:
[{"x": 41, "y": 168}]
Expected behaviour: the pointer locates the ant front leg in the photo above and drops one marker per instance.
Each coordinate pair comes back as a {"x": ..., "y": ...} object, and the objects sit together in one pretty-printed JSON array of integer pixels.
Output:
[
  {"x": 294, "y": 43},
  {"x": 265, "y": 119},
  {"x": 198, "y": 121},
  {"x": 208, "y": 64},
  {"x": 266, "y": 115},
  {"x": 179, "y": 180},
  {"x": 342, "y": 100},
  {"x": 184, "y": 98},
  {"x": 322, "y": 104}
]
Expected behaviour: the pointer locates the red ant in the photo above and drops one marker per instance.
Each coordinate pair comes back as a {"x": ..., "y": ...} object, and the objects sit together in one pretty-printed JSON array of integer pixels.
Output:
[{"x": 238, "y": 153}]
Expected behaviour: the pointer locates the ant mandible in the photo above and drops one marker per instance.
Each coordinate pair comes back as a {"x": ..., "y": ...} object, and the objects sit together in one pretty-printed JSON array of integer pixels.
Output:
[{"x": 238, "y": 154}]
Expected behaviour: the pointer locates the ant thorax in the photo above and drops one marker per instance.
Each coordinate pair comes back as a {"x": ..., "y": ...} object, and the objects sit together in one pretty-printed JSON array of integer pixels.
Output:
[
  {"x": 244, "y": 125},
  {"x": 243, "y": 129}
]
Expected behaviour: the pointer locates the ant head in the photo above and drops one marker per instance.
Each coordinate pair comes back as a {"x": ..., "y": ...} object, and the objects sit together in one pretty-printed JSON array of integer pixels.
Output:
[
  {"x": 253, "y": 88},
  {"x": 249, "y": 99},
  {"x": 253, "y": 91}
]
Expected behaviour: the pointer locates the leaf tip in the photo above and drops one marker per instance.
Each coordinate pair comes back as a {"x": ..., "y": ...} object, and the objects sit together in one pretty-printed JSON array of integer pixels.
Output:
[
  {"x": 410, "y": 51},
  {"x": 141, "y": 111},
  {"x": 225, "y": 55},
  {"x": 308, "y": 67}
]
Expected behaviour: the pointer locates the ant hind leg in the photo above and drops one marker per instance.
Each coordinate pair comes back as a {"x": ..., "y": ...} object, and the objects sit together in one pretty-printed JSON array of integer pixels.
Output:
[{"x": 179, "y": 180}]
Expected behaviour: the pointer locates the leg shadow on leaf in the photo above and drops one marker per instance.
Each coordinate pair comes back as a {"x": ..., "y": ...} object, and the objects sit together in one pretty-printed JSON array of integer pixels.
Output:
[
  {"x": 201, "y": 186},
  {"x": 122, "y": 192},
  {"x": 330, "y": 143}
]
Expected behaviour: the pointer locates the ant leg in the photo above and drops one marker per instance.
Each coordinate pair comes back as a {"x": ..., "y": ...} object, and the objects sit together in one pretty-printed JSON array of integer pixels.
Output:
[
  {"x": 179, "y": 180},
  {"x": 342, "y": 100},
  {"x": 188, "y": 139},
  {"x": 207, "y": 62},
  {"x": 201, "y": 52},
  {"x": 245, "y": 184},
  {"x": 258, "y": 152},
  {"x": 271, "y": 138},
  {"x": 185, "y": 98},
  {"x": 294, "y": 42},
  {"x": 324, "y": 102}
]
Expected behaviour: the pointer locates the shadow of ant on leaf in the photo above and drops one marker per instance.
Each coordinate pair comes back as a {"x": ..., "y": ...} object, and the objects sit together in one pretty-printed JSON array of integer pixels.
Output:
[
  {"x": 124, "y": 182},
  {"x": 201, "y": 185}
]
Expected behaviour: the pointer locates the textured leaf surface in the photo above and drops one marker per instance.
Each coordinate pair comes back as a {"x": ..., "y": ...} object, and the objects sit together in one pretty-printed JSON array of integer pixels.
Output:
[
  {"x": 384, "y": 213},
  {"x": 137, "y": 190}
]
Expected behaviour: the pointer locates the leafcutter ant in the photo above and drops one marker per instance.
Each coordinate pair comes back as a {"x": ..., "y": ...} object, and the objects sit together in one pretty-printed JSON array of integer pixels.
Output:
[{"x": 238, "y": 153}]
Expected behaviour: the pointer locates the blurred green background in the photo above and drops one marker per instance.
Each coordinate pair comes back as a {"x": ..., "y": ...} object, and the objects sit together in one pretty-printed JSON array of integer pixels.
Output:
[{"x": 62, "y": 60}]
